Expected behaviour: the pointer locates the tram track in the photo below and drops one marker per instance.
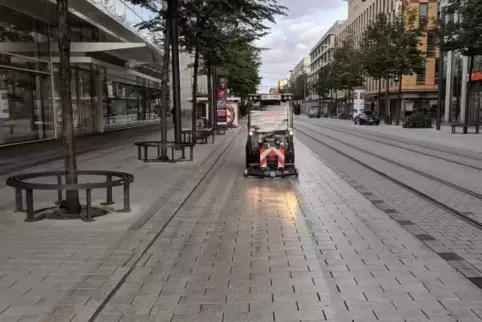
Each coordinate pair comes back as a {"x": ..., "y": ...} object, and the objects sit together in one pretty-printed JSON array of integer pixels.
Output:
[
  {"x": 458, "y": 213},
  {"x": 359, "y": 135}
]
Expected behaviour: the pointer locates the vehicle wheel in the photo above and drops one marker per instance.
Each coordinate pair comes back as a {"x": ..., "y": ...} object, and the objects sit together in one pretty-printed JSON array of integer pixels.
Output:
[
  {"x": 377, "y": 123},
  {"x": 318, "y": 116},
  {"x": 360, "y": 122}
]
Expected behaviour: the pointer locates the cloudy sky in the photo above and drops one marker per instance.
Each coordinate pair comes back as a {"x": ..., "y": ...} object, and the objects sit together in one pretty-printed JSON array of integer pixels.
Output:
[{"x": 293, "y": 36}]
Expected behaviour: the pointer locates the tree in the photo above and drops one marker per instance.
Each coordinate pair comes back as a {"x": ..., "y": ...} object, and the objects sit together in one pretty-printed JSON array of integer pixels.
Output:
[
  {"x": 462, "y": 34},
  {"x": 377, "y": 52},
  {"x": 323, "y": 83},
  {"x": 71, "y": 204},
  {"x": 299, "y": 88},
  {"x": 407, "y": 58},
  {"x": 204, "y": 23},
  {"x": 348, "y": 67}
]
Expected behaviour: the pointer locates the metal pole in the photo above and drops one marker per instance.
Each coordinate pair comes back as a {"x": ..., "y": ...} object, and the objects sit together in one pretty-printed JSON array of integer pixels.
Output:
[
  {"x": 176, "y": 81},
  {"x": 441, "y": 64}
]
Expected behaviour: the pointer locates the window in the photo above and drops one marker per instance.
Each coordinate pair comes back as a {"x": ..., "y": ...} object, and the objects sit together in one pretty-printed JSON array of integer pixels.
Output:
[
  {"x": 423, "y": 13},
  {"x": 421, "y": 73}
]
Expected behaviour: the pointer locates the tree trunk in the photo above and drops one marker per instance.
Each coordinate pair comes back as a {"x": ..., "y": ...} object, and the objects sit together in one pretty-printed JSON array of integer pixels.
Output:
[
  {"x": 378, "y": 109},
  {"x": 194, "y": 94},
  {"x": 388, "y": 111},
  {"x": 468, "y": 91},
  {"x": 72, "y": 204},
  {"x": 399, "y": 98},
  {"x": 165, "y": 82},
  {"x": 210, "y": 94}
]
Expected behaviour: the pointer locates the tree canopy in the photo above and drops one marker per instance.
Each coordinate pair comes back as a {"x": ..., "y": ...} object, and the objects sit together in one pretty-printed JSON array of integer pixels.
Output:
[{"x": 462, "y": 32}]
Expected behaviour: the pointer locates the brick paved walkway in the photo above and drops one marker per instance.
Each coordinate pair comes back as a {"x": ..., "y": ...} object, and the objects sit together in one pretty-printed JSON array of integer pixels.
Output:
[
  {"x": 48, "y": 264},
  {"x": 247, "y": 249}
]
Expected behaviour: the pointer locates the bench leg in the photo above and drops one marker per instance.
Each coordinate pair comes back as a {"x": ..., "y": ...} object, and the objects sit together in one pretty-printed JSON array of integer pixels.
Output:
[
  {"x": 30, "y": 211},
  {"x": 88, "y": 206},
  {"x": 18, "y": 200},
  {"x": 477, "y": 129},
  {"x": 108, "y": 198},
  {"x": 145, "y": 153},
  {"x": 139, "y": 153},
  {"x": 191, "y": 152},
  {"x": 127, "y": 199},
  {"x": 466, "y": 130}
]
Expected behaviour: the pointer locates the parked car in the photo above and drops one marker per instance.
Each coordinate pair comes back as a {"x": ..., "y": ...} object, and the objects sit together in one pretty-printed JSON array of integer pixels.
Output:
[
  {"x": 366, "y": 117},
  {"x": 315, "y": 111}
]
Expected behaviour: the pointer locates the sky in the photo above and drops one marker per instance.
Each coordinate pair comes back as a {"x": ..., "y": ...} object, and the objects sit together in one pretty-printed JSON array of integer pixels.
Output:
[{"x": 293, "y": 36}]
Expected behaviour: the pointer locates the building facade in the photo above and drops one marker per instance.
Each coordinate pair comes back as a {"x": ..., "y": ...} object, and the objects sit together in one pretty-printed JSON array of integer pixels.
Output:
[
  {"x": 115, "y": 74},
  {"x": 419, "y": 91},
  {"x": 455, "y": 73},
  {"x": 303, "y": 67},
  {"x": 322, "y": 53}
]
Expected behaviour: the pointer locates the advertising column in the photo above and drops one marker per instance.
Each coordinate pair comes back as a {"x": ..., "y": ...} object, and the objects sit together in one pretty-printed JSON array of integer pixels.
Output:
[{"x": 221, "y": 104}]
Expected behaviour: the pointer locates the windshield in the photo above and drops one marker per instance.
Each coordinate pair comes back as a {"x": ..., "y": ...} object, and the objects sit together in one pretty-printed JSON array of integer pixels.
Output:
[
  {"x": 368, "y": 113},
  {"x": 270, "y": 117},
  {"x": 315, "y": 108}
]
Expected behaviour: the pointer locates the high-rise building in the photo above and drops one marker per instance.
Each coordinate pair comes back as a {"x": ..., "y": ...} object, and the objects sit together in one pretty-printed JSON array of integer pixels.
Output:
[
  {"x": 322, "y": 53},
  {"x": 115, "y": 68},
  {"x": 419, "y": 91}
]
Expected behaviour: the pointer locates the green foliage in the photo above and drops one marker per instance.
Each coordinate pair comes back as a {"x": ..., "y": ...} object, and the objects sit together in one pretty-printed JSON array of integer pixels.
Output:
[
  {"x": 377, "y": 49},
  {"x": 347, "y": 68},
  {"x": 299, "y": 88},
  {"x": 221, "y": 33},
  {"x": 463, "y": 30},
  {"x": 405, "y": 39},
  {"x": 324, "y": 81},
  {"x": 418, "y": 120}
]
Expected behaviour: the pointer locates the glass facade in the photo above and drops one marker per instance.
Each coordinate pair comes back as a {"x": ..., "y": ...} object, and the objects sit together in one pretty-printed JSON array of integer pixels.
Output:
[
  {"x": 25, "y": 87},
  {"x": 104, "y": 95}
]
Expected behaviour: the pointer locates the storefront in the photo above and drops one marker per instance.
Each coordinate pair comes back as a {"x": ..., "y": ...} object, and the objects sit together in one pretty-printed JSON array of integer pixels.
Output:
[{"x": 106, "y": 94}]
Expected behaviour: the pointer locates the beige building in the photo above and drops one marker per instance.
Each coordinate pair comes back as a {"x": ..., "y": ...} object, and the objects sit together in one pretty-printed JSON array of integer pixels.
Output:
[
  {"x": 419, "y": 90},
  {"x": 322, "y": 53},
  {"x": 303, "y": 67}
]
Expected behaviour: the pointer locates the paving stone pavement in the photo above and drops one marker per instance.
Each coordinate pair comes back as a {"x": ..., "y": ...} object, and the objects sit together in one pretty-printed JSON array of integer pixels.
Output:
[
  {"x": 464, "y": 177},
  {"x": 430, "y": 137},
  {"x": 50, "y": 267},
  {"x": 448, "y": 234},
  {"x": 306, "y": 249}
]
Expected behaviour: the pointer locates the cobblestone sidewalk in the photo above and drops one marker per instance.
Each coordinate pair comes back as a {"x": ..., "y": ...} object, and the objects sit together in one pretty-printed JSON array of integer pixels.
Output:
[
  {"x": 307, "y": 249},
  {"x": 49, "y": 266}
]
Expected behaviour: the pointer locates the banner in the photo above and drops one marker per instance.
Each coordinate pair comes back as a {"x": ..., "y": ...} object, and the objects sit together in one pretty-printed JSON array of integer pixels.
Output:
[
  {"x": 232, "y": 114},
  {"x": 221, "y": 104}
]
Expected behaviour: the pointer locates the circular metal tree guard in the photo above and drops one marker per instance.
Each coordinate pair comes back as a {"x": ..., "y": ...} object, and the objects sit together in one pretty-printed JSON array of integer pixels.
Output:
[{"x": 112, "y": 179}]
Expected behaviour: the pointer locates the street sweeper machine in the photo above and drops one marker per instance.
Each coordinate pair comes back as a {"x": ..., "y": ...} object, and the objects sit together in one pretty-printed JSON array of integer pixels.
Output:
[{"x": 270, "y": 150}]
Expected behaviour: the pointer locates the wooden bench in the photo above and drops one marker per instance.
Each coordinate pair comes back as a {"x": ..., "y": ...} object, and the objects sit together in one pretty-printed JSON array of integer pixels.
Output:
[{"x": 465, "y": 127}]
